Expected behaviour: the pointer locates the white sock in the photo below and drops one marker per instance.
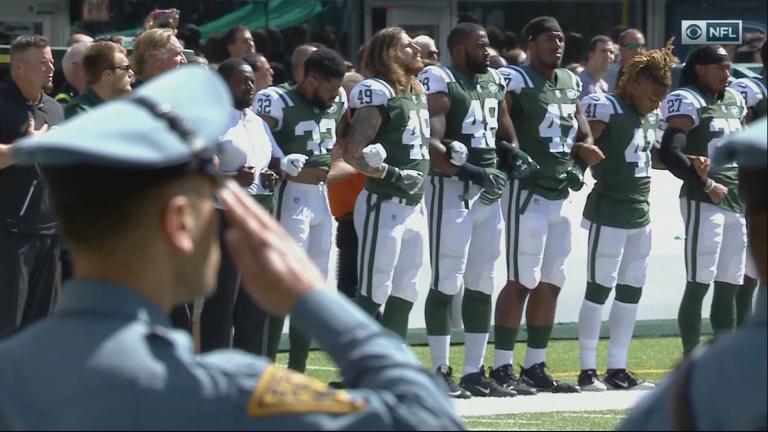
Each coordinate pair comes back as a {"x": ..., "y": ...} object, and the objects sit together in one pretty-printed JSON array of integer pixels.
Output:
[
  {"x": 438, "y": 348},
  {"x": 502, "y": 357},
  {"x": 534, "y": 356},
  {"x": 474, "y": 351},
  {"x": 621, "y": 325},
  {"x": 590, "y": 317}
]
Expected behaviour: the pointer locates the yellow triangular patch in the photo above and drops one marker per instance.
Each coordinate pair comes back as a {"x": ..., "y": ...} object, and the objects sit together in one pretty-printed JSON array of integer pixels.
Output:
[{"x": 283, "y": 391}]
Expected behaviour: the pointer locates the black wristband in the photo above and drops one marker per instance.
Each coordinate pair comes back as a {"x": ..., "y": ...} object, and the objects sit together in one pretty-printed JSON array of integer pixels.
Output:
[{"x": 470, "y": 172}]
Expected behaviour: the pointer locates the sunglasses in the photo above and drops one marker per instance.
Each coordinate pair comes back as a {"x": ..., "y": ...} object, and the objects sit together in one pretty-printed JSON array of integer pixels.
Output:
[
  {"x": 634, "y": 46},
  {"x": 124, "y": 68}
]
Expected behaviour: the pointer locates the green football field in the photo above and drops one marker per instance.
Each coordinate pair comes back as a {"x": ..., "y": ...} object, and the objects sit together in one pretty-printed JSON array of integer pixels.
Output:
[{"x": 651, "y": 358}]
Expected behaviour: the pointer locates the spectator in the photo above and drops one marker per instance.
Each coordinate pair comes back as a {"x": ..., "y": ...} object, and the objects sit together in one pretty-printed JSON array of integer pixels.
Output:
[
  {"x": 630, "y": 42},
  {"x": 238, "y": 41},
  {"x": 599, "y": 59},
  {"x": 108, "y": 75},
  {"x": 430, "y": 55},
  {"x": 73, "y": 72},
  {"x": 29, "y": 247},
  {"x": 747, "y": 54},
  {"x": 154, "y": 52},
  {"x": 275, "y": 45},
  {"x": 262, "y": 70}
]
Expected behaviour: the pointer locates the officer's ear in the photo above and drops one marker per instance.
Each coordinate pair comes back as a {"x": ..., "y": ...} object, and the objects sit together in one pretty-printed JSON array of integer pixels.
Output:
[{"x": 178, "y": 221}]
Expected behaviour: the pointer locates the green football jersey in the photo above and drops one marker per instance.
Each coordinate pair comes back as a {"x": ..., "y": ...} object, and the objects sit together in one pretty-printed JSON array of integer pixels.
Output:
[
  {"x": 404, "y": 132},
  {"x": 302, "y": 128},
  {"x": 619, "y": 198},
  {"x": 544, "y": 116},
  {"x": 712, "y": 119},
  {"x": 755, "y": 95},
  {"x": 473, "y": 118}
]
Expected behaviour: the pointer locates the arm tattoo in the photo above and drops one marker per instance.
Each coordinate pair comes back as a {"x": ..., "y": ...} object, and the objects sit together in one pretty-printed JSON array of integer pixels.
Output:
[{"x": 365, "y": 125}]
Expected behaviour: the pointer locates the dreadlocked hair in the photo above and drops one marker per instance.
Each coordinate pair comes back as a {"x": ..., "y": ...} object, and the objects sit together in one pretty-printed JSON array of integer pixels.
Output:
[
  {"x": 381, "y": 58},
  {"x": 654, "y": 65}
]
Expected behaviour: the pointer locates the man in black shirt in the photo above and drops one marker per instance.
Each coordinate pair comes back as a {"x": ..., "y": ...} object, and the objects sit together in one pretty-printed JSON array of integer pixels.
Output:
[{"x": 29, "y": 246}]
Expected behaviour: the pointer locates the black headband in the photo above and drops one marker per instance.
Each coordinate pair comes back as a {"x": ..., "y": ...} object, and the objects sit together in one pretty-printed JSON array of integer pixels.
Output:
[
  {"x": 708, "y": 54},
  {"x": 541, "y": 25}
]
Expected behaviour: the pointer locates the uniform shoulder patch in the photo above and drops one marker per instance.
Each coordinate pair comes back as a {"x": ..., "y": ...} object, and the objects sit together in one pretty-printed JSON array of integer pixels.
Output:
[{"x": 282, "y": 391}]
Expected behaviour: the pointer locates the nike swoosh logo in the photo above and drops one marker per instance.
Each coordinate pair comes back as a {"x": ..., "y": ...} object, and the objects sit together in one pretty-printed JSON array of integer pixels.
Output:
[
  {"x": 454, "y": 393},
  {"x": 622, "y": 384},
  {"x": 486, "y": 391}
]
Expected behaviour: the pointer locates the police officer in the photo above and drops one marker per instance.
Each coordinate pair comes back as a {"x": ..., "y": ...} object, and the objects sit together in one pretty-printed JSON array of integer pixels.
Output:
[
  {"x": 118, "y": 362},
  {"x": 690, "y": 398}
]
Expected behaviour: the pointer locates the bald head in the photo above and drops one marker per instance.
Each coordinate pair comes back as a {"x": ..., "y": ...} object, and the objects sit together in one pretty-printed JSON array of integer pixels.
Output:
[
  {"x": 428, "y": 49},
  {"x": 72, "y": 65},
  {"x": 299, "y": 56},
  {"x": 79, "y": 37}
]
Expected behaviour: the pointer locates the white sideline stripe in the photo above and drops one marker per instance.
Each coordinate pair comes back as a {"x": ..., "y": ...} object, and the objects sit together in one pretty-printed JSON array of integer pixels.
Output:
[{"x": 547, "y": 402}]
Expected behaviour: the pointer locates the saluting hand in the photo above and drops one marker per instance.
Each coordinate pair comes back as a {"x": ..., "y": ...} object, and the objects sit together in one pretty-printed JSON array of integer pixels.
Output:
[{"x": 276, "y": 271}]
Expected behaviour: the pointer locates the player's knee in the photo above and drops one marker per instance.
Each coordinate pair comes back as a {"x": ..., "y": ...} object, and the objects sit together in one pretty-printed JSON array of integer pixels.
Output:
[
  {"x": 597, "y": 294},
  {"x": 628, "y": 294},
  {"x": 634, "y": 273}
]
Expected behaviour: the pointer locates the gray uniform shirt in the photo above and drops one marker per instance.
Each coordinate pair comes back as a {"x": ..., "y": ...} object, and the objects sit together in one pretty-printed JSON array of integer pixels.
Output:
[
  {"x": 726, "y": 386},
  {"x": 109, "y": 359}
]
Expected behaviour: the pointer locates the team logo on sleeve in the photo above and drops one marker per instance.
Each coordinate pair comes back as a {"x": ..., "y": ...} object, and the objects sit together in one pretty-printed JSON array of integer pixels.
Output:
[
  {"x": 332, "y": 109},
  {"x": 735, "y": 111},
  {"x": 572, "y": 94},
  {"x": 493, "y": 88}
]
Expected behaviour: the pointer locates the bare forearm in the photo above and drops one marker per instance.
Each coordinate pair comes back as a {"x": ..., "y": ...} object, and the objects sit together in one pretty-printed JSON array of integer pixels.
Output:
[{"x": 365, "y": 125}]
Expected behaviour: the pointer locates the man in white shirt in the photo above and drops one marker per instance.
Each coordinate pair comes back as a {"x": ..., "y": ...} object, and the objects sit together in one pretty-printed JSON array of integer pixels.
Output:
[{"x": 245, "y": 151}]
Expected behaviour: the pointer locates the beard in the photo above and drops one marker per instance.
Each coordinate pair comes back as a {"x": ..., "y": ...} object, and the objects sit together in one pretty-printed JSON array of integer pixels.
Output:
[
  {"x": 244, "y": 102},
  {"x": 321, "y": 104},
  {"x": 480, "y": 67}
]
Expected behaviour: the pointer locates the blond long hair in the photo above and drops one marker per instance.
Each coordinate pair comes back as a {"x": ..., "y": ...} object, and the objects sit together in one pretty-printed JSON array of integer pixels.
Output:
[
  {"x": 382, "y": 58},
  {"x": 150, "y": 40},
  {"x": 655, "y": 65}
]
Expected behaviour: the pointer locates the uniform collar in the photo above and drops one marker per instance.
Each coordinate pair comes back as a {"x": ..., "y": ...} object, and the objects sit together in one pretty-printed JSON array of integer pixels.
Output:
[
  {"x": 90, "y": 98},
  {"x": 83, "y": 297}
]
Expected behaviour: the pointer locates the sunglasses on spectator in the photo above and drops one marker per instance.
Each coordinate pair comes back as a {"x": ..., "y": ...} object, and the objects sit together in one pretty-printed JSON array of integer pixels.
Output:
[{"x": 125, "y": 68}]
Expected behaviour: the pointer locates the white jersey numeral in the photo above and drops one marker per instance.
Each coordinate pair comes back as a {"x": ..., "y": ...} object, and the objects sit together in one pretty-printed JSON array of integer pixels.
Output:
[
  {"x": 415, "y": 131},
  {"x": 551, "y": 127},
  {"x": 639, "y": 151},
  {"x": 316, "y": 144},
  {"x": 481, "y": 123}
]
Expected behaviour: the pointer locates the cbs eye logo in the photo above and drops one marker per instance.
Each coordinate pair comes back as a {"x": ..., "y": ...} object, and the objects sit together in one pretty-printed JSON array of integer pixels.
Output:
[{"x": 694, "y": 32}]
